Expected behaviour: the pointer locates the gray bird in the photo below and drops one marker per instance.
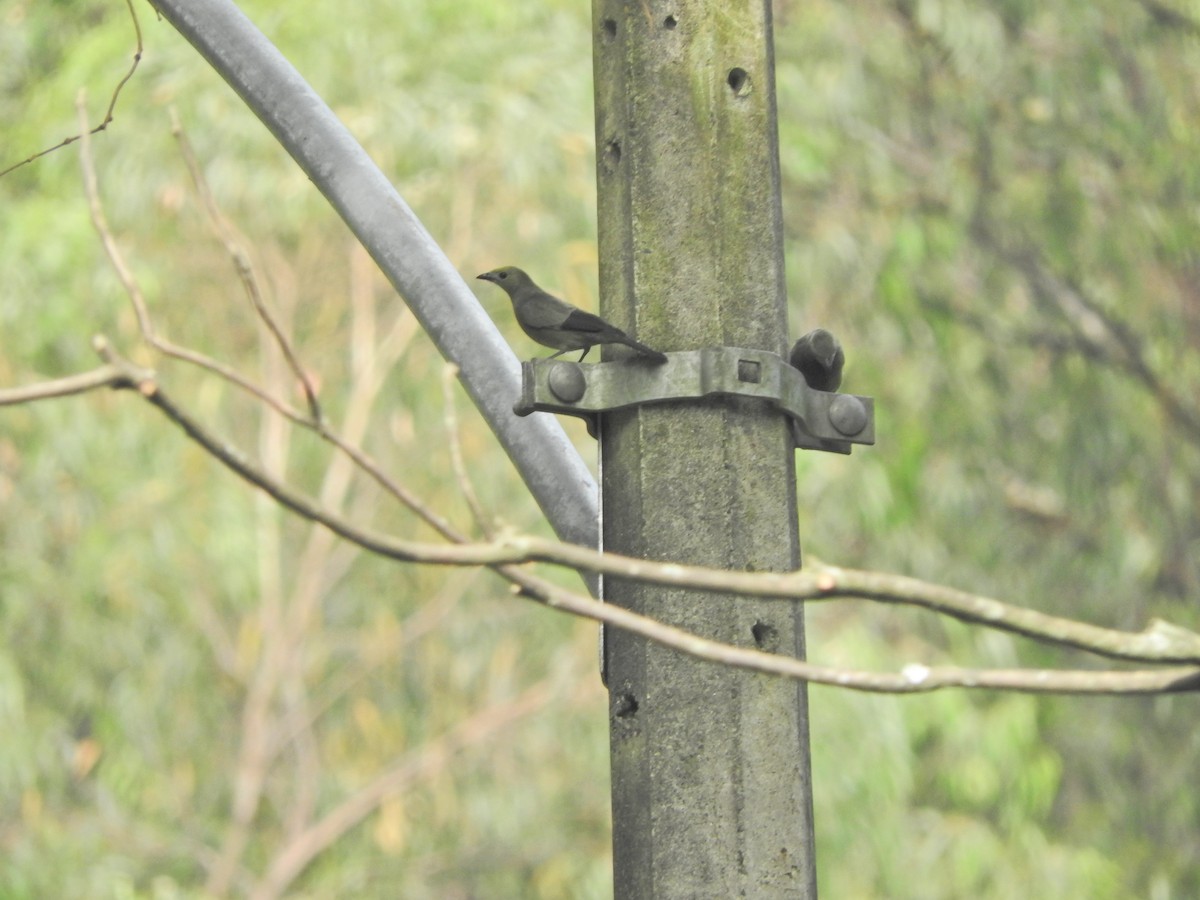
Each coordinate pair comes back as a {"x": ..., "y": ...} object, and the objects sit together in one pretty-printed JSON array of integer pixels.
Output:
[
  {"x": 560, "y": 325},
  {"x": 819, "y": 357}
]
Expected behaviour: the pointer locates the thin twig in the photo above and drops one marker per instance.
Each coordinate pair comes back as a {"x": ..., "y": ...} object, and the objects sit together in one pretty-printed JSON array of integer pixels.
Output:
[
  {"x": 104, "y": 376},
  {"x": 913, "y": 678},
  {"x": 454, "y": 443},
  {"x": 138, "y": 300},
  {"x": 230, "y": 375},
  {"x": 243, "y": 266},
  {"x": 112, "y": 103}
]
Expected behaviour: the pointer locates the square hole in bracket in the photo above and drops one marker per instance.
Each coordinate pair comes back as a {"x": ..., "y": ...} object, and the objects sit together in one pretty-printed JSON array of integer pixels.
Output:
[{"x": 749, "y": 371}]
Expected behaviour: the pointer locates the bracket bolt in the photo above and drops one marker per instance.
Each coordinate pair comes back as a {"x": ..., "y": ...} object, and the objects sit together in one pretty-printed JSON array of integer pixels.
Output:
[
  {"x": 566, "y": 382},
  {"x": 848, "y": 415}
]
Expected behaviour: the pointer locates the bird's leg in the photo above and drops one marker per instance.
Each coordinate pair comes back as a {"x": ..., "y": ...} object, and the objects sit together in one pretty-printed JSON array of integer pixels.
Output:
[
  {"x": 583, "y": 354},
  {"x": 553, "y": 355}
]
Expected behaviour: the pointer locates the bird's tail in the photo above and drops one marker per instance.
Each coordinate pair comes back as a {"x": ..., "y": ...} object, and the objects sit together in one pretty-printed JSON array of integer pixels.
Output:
[{"x": 648, "y": 352}]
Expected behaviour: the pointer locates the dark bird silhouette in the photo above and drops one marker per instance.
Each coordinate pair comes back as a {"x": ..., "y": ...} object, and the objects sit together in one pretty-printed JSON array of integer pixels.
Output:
[
  {"x": 819, "y": 357},
  {"x": 553, "y": 323}
]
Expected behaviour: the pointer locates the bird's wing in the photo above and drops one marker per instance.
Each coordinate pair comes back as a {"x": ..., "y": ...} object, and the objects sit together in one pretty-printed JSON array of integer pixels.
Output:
[
  {"x": 544, "y": 310},
  {"x": 579, "y": 320},
  {"x": 541, "y": 310}
]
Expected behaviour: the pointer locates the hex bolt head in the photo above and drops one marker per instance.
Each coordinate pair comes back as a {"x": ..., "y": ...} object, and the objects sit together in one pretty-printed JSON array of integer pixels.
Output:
[
  {"x": 566, "y": 382},
  {"x": 848, "y": 415}
]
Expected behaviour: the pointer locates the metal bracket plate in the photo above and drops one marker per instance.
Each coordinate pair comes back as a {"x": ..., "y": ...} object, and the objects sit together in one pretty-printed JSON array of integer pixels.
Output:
[{"x": 820, "y": 420}]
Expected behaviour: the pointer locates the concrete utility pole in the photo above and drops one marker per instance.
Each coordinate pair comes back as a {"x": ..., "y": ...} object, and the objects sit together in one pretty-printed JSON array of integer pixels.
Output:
[{"x": 710, "y": 766}]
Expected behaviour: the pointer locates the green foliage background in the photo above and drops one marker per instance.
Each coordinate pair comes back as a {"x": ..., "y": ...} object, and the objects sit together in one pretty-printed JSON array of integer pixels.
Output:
[{"x": 955, "y": 173}]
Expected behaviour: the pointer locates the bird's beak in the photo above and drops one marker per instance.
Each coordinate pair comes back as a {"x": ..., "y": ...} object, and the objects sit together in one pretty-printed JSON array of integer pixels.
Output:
[{"x": 486, "y": 276}]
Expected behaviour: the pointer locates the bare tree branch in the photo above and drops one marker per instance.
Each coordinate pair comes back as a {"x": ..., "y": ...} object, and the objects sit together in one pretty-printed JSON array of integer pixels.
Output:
[
  {"x": 1098, "y": 334},
  {"x": 913, "y": 678},
  {"x": 1168, "y": 17},
  {"x": 138, "y": 300},
  {"x": 230, "y": 375},
  {"x": 104, "y": 376},
  {"x": 244, "y": 267},
  {"x": 1160, "y": 642}
]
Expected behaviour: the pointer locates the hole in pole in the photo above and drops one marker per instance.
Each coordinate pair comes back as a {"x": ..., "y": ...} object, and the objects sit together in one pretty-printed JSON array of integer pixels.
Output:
[
  {"x": 612, "y": 155},
  {"x": 765, "y": 635},
  {"x": 738, "y": 81},
  {"x": 609, "y": 26},
  {"x": 625, "y": 706},
  {"x": 669, "y": 23}
]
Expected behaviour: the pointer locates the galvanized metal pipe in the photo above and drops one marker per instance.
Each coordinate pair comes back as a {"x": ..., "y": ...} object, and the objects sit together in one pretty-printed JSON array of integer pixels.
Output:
[{"x": 429, "y": 283}]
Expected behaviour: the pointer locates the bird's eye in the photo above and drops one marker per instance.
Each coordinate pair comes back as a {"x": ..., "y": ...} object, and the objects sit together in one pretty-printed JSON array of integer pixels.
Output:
[{"x": 503, "y": 275}]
